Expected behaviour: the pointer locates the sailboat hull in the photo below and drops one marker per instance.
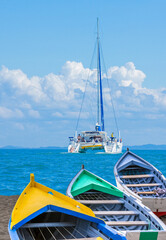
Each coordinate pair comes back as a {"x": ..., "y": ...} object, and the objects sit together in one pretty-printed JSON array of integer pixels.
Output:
[
  {"x": 82, "y": 148},
  {"x": 95, "y": 140}
]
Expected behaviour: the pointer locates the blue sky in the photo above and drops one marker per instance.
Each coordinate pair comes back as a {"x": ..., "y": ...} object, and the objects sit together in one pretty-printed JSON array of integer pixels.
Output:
[{"x": 45, "y": 52}]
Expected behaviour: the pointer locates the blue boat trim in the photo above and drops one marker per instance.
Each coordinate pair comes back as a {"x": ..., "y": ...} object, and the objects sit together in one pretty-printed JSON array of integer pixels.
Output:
[
  {"x": 13, "y": 233},
  {"x": 110, "y": 232},
  {"x": 58, "y": 209}
]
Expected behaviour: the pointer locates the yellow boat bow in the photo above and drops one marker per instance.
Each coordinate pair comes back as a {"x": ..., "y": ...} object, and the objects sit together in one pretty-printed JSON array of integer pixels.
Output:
[{"x": 37, "y": 198}]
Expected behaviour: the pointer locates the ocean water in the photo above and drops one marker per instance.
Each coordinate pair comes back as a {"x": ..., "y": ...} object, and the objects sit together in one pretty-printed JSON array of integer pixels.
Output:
[{"x": 56, "y": 168}]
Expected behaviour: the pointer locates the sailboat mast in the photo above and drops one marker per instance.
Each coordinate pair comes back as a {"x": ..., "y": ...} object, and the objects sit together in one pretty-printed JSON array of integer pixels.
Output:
[
  {"x": 98, "y": 74},
  {"x": 100, "y": 110}
]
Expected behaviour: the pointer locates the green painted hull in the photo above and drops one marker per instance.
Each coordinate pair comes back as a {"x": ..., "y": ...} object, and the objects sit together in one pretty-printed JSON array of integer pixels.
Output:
[{"x": 87, "y": 181}]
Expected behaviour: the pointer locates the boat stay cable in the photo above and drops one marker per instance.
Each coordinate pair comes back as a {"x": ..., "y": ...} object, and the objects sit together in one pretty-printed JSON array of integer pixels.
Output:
[{"x": 85, "y": 87}]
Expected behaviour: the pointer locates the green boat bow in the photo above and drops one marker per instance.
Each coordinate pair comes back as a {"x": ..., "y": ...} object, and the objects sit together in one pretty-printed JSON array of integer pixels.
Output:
[{"x": 87, "y": 181}]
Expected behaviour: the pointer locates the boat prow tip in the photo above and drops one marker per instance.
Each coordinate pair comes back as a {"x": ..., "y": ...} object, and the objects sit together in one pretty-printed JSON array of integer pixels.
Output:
[{"x": 32, "y": 179}]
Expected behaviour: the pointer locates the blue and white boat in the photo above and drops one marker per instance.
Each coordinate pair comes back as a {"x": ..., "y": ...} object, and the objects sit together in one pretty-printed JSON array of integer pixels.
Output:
[
  {"x": 142, "y": 180},
  {"x": 98, "y": 138}
]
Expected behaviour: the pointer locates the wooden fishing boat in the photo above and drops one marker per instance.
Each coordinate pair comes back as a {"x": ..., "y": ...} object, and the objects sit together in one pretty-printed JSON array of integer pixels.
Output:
[
  {"x": 118, "y": 209},
  {"x": 142, "y": 180},
  {"x": 44, "y": 214}
]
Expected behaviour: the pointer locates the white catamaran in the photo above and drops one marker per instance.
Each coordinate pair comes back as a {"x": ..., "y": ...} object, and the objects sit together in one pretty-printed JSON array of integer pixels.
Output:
[{"x": 97, "y": 139}]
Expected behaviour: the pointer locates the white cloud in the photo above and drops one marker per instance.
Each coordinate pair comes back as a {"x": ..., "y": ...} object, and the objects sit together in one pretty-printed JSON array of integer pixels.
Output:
[
  {"x": 34, "y": 114},
  {"x": 127, "y": 75},
  {"x": 25, "y": 105},
  {"x": 57, "y": 114},
  {"x": 18, "y": 113},
  {"x": 155, "y": 116},
  {"x": 62, "y": 94},
  {"x": 21, "y": 84},
  {"x": 130, "y": 90},
  {"x": 159, "y": 95},
  {"x": 49, "y": 90},
  {"x": 55, "y": 100},
  {"x": 118, "y": 93},
  {"x": 16, "y": 78},
  {"x": 74, "y": 71},
  {"x": 56, "y": 89},
  {"x": 19, "y": 126},
  {"x": 8, "y": 113},
  {"x": 5, "y": 112}
]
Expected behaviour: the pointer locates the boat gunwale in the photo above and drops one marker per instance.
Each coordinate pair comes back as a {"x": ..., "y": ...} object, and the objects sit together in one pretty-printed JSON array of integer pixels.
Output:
[
  {"x": 57, "y": 209},
  {"x": 102, "y": 227}
]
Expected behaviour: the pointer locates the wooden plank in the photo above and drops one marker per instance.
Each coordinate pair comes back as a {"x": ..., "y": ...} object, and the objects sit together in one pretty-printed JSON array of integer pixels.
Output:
[
  {"x": 143, "y": 185},
  {"x": 126, "y": 223},
  {"x": 53, "y": 224},
  {"x": 137, "y": 176},
  {"x": 100, "y": 201},
  {"x": 100, "y": 213},
  {"x": 146, "y": 192}
]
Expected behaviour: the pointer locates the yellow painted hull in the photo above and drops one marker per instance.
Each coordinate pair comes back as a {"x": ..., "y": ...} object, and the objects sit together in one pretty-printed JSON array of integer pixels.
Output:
[
  {"x": 42, "y": 213},
  {"x": 37, "y": 196}
]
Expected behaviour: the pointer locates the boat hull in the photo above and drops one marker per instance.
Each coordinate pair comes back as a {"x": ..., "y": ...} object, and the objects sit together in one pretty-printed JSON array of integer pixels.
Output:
[
  {"x": 145, "y": 235},
  {"x": 157, "y": 205},
  {"x": 115, "y": 207},
  {"x": 150, "y": 177},
  {"x": 44, "y": 214},
  {"x": 110, "y": 148}
]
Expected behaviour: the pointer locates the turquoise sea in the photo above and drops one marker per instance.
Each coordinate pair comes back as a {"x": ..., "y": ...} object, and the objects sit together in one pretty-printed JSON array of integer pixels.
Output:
[{"x": 56, "y": 168}]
